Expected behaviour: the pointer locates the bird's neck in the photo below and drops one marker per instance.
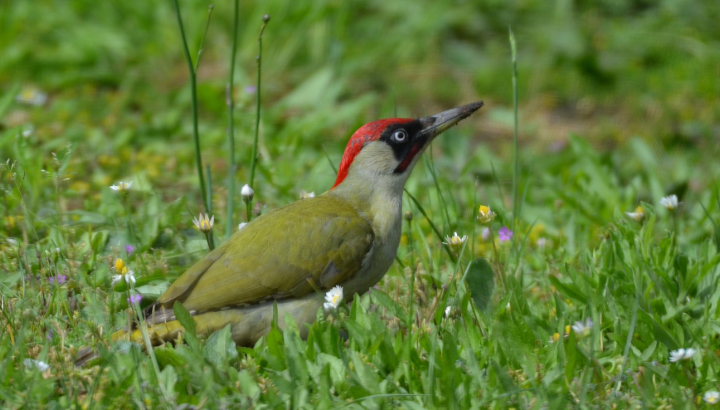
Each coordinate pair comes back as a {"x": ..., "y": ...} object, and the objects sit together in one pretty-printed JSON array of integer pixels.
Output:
[{"x": 378, "y": 198}]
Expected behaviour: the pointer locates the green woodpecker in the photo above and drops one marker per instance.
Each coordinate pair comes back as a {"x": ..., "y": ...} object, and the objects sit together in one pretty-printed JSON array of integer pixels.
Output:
[{"x": 291, "y": 256}]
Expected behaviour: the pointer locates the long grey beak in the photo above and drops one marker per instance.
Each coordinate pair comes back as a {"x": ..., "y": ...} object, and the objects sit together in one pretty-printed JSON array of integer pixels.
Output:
[{"x": 436, "y": 124}]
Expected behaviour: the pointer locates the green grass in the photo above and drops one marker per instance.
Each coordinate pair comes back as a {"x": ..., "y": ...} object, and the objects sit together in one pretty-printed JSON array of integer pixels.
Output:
[{"x": 617, "y": 108}]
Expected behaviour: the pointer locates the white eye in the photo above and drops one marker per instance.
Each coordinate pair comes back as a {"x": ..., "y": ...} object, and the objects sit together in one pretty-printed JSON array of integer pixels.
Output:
[{"x": 399, "y": 135}]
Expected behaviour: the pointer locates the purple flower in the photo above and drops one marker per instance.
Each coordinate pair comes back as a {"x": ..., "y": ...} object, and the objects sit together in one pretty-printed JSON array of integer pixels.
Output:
[
  {"x": 505, "y": 234},
  {"x": 250, "y": 89},
  {"x": 59, "y": 278},
  {"x": 485, "y": 234},
  {"x": 134, "y": 299},
  {"x": 129, "y": 249}
]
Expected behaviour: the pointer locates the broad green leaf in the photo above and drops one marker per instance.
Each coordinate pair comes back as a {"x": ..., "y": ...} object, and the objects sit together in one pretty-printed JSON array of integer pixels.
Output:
[
  {"x": 480, "y": 280},
  {"x": 183, "y": 316},
  {"x": 570, "y": 355},
  {"x": 220, "y": 348},
  {"x": 153, "y": 291},
  {"x": 167, "y": 356},
  {"x": 247, "y": 383},
  {"x": 296, "y": 361},
  {"x": 567, "y": 290},
  {"x": 186, "y": 320},
  {"x": 661, "y": 333},
  {"x": 649, "y": 351},
  {"x": 168, "y": 379},
  {"x": 7, "y": 281}
]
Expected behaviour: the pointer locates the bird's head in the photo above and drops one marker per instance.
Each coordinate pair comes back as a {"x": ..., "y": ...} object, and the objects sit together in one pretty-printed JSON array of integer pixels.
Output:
[{"x": 388, "y": 149}]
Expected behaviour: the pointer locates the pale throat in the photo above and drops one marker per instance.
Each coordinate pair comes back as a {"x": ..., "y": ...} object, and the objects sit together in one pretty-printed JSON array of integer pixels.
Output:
[
  {"x": 379, "y": 203},
  {"x": 376, "y": 191}
]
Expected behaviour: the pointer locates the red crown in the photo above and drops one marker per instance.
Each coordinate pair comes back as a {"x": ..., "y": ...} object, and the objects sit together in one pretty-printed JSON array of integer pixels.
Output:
[{"x": 368, "y": 132}]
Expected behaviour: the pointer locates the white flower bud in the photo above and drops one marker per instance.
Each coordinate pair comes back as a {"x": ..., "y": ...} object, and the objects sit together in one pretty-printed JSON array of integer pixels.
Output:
[{"x": 247, "y": 193}]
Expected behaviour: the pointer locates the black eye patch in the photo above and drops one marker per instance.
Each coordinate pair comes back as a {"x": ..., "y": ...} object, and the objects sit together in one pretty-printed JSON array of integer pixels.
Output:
[{"x": 401, "y": 146}]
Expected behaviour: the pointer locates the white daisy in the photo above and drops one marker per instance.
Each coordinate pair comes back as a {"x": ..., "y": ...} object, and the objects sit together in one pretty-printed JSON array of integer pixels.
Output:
[
  {"x": 204, "y": 223},
  {"x": 334, "y": 296},
  {"x": 455, "y": 240},
  {"x": 670, "y": 202},
  {"x": 638, "y": 215},
  {"x": 38, "y": 364},
  {"x": 582, "y": 328},
  {"x": 31, "y": 96},
  {"x": 121, "y": 186},
  {"x": 681, "y": 354},
  {"x": 711, "y": 397}
]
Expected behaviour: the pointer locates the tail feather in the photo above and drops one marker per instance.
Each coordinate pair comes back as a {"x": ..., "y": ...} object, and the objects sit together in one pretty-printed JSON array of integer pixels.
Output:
[{"x": 247, "y": 324}]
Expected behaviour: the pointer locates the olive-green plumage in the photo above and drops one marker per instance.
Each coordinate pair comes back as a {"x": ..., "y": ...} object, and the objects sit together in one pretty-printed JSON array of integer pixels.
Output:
[
  {"x": 309, "y": 245},
  {"x": 291, "y": 256}
]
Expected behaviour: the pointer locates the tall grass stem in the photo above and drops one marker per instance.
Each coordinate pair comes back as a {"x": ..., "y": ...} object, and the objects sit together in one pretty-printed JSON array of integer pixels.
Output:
[
  {"x": 230, "y": 101},
  {"x": 516, "y": 202},
  {"x": 202, "y": 41},
  {"x": 210, "y": 237},
  {"x": 253, "y": 163},
  {"x": 193, "y": 100}
]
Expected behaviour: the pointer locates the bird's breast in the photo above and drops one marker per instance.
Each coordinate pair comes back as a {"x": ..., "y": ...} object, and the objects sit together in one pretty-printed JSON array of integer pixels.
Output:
[{"x": 387, "y": 228}]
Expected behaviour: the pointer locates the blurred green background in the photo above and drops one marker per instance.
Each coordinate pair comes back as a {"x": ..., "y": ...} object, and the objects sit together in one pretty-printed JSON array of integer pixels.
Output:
[
  {"x": 117, "y": 83},
  {"x": 618, "y": 107}
]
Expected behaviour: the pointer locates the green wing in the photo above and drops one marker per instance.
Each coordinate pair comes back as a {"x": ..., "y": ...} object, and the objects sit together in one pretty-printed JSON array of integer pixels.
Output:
[{"x": 310, "y": 244}]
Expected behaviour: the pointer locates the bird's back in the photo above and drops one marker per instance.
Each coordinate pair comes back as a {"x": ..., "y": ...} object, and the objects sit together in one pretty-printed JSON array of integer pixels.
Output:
[{"x": 312, "y": 244}]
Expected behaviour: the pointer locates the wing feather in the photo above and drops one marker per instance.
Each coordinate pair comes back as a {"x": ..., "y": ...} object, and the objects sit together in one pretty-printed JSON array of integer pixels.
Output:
[{"x": 310, "y": 244}]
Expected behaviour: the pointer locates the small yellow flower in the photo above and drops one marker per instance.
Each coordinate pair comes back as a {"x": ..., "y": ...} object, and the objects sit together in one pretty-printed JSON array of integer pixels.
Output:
[
  {"x": 485, "y": 215},
  {"x": 455, "y": 240},
  {"x": 638, "y": 215},
  {"x": 123, "y": 273},
  {"x": 204, "y": 224},
  {"x": 555, "y": 337}
]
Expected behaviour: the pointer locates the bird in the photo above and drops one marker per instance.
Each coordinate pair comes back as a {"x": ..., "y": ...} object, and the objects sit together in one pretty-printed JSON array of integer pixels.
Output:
[{"x": 291, "y": 256}]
